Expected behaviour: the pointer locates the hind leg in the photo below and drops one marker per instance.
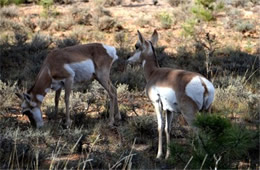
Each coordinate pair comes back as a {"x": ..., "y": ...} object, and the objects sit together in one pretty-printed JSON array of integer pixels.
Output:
[
  {"x": 169, "y": 118},
  {"x": 189, "y": 109},
  {"x": 104, "y": 80}
]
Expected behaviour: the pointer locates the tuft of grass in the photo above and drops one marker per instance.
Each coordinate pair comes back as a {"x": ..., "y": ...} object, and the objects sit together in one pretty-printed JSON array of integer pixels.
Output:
[
  {"x": 44, "y": 23},
  {"x": 7, "y": 95},
  {"x": 174, "y": 3},
  {"x": 70, "y": 41},
  {"x": 144, "y": 21},
  {"x": 106, "y": 24},
  {"x": 64, "y": 23},
  {"x": 9, "y": 11},
  {"x": 238, "y": 98},
  {"x": 81, "y": 16},
  {"x": 29, "y": 21}
]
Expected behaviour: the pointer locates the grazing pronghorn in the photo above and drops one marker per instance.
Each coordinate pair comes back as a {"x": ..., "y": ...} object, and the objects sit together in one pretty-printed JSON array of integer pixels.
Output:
[
  {"x": 64, "y": 67},
  {"x": 171, "y": 90}
]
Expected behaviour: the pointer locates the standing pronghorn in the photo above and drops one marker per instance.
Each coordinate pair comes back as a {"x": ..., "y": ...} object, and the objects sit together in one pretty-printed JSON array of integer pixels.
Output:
[
  {"x": 171, "y": 90},
  {"x": 64, "y": 67}
]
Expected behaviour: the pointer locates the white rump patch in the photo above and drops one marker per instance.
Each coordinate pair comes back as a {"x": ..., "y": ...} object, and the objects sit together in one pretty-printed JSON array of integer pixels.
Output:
[
  {"x": 111, "y": 51},
  {"x": 135, "y": 57},
  {"x": 211, "y": 90},
  {"x": 81, "y": 71},
  {"x": 167, "y": 97},
  {"x": 195, "y": 90},
  {"x": 39, "y": 97},
  {"x": 37, "y": 116}
]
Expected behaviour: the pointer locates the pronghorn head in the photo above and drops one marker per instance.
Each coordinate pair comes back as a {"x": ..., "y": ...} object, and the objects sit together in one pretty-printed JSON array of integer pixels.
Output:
[
  {"x": 144, "y": 48},
  {"x": 31, "y": 109}
]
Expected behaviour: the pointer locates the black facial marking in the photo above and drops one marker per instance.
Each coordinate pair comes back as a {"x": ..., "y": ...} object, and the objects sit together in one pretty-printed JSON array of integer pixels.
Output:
[
  {"x": 154, "y": 53},
  {"x": 30, "y": 116},
  {"x": 136, "y": 46}
]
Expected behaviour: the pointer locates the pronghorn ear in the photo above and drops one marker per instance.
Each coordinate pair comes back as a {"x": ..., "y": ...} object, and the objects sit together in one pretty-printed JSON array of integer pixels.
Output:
[
  {"x": 141, "y": 39},
  {"x": 20, "y": 96},
  {"x": 155, "y": 38}
]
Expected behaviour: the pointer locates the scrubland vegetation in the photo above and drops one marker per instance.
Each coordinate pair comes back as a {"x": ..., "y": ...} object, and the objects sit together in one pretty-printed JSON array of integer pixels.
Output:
[{"x": 217, "y": 38}]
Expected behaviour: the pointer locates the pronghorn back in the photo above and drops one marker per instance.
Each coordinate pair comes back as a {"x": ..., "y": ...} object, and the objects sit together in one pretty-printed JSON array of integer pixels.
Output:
[{"x": 170, "y": 85}]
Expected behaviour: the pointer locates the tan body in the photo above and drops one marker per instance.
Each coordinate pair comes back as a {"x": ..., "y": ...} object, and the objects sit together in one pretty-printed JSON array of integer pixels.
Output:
[
  {"x": 76, "y": 64},
  {"x": 171, "y": 90}
]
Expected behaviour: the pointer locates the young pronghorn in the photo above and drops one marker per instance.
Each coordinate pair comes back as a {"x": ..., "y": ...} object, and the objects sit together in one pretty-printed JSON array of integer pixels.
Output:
[
  {"x": 64, "y": 67},
  {"x": 171, "y": 90}
]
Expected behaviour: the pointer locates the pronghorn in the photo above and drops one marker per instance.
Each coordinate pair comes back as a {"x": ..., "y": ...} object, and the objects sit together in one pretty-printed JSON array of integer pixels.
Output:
[
  {"x": 64, "y": 67},
  {"x": 171, "y": 90}
]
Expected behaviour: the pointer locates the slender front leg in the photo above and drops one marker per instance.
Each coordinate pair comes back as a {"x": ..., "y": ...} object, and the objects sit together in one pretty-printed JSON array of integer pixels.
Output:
[
  {"x": 67, "y": 87},
  {"x": 158, "y": 112},
  {"x": 57, "y": 99},
  {"x": 168, "y": 124}
]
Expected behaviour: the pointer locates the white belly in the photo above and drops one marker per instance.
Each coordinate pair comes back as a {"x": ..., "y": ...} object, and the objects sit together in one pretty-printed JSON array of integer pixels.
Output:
[
  {"x": 166, "y": 96},
  {"x": 81, "y": 71}
]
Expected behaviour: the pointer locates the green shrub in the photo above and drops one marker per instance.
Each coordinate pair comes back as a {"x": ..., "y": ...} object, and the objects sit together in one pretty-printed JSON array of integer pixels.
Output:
[
  {"x": 202, "y": 13},
  {"x": 244, "y": 26},
  {"x": 46, "y": 4},
  {"x": 8, "y": 2},
  {"x": 207, "y": 9},
  {"x": 166, "y": 19},
  {"x": 188, "y": 28},
  {"x": 217, "y": 138}
]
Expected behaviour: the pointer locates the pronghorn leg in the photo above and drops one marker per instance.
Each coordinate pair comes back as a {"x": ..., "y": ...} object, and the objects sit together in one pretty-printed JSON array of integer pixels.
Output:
[
  {"x": 67, "y": 88},
  {"x": 57, "y": 98},
  {"x": 104, "y": 80},
  {"x": 168, "y": 124},
  {"x": 158, "y": 111},
  {"x": 188, "y": 110}
]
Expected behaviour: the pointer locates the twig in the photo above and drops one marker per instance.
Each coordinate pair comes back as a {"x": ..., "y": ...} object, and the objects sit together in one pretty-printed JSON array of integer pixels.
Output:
[
  {"x": 72, "y": 149},
  {"x": 127, "y": 159},
  {"x": 188, "y": 162},
  {"x": 203, "y": 161},
  {"x": 217, "y": 160}
]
